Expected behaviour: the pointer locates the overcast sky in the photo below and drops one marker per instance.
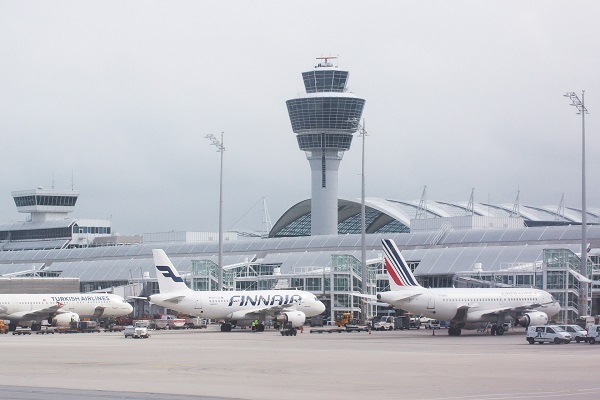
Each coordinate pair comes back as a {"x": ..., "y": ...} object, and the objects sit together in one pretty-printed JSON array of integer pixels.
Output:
[{"x": 459, "y": 95}]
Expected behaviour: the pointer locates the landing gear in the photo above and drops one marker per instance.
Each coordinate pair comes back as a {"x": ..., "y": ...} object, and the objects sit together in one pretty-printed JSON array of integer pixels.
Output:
[
  {"x": 12, "y": 327},
  {"x": 260, "y": 328},
  {"x": 497, "y": 330},
  {"x": 225, "y": 327},
  {"x": 454, "y": 331},
  {"x": 36, "y": 327}
]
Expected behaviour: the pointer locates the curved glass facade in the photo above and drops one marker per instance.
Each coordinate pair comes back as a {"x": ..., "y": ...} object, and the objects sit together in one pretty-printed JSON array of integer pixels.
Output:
[
  {"x": 325, "y": 81},
  {"x": 325, "y": 113}
]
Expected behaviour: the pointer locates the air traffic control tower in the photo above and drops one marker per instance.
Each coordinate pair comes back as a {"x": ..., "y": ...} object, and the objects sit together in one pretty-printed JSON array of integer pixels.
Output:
[{"x": 324, "y": 119}]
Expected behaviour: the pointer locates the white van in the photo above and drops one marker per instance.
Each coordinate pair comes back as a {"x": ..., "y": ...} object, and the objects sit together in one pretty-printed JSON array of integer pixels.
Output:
[
  {"x": 593, "y": 334},
  {"x": 577, "y": 333},
  {"x": 547, "y": 333}
]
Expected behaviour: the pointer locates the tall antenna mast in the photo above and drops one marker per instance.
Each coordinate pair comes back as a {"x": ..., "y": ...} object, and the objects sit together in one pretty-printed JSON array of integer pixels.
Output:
[
  {"x": 266, "y": 219},
  {"x": 422, "y": 209},
  {"x": 560, "y": 212},
  {"x": 515, "y": 211},
  {"x": 471, "y": 206}
]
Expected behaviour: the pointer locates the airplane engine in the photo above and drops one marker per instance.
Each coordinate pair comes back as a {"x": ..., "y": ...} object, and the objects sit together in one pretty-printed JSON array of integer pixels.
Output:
[
  {"x": 297, "y": 318},
  {"x": 532, "y": 318},
  {"x": 65, "y": 319}
]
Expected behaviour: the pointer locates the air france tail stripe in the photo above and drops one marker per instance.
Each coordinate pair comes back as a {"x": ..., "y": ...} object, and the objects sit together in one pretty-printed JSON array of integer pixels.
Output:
[
  {"x": 401, "y": 264},
  {"x": 392, "y": 273},
  {"x": 402, "y": 271}
]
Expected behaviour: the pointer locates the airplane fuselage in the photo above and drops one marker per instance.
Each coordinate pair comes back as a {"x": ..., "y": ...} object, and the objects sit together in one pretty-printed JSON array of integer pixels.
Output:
[
  {"x": 16, "y": 307},
  {"x": 226, "y": 304},
  {"x": 449, "y": 304}
]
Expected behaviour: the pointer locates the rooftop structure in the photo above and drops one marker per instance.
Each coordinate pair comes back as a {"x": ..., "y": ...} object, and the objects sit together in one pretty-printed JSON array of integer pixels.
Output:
[
  {"x": 45, "y": 204},
  {"x": 48, "y": 225},
  {"x": 324, "y": 119},
  {"x": 397, "y": 216}
]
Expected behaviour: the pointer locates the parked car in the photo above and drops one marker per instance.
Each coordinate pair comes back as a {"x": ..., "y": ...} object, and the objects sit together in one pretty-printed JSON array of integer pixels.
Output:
[
  {"x": 577, "y": 333},
  {"x": 547, "y": 333}
]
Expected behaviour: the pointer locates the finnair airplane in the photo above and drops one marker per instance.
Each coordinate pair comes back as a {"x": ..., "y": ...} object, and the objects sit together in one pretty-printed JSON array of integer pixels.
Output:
[
  {"x": 465, "y": 308},
  {"x": 59, "y": 308},
  {"x": 235, "y": 307}
]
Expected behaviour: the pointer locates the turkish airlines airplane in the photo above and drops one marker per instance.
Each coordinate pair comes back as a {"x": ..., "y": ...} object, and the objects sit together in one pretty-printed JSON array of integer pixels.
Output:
[
  {"x": 59, "y": 309},
  {"x": 235, "y": 307},
  {"x": 465, "y": 308}
]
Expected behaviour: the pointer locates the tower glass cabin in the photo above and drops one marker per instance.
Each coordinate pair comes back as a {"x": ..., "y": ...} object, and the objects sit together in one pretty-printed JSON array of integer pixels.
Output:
[{"x": 324, "y": 119}]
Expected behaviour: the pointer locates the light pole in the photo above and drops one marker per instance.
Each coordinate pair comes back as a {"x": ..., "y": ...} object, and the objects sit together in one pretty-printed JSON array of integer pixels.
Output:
[
  {"x": 580, "y": 105},
  {"x": 220, "y": 148},
  {"x": 363, "y": 224},
  {"x": 363, "y": 228}
]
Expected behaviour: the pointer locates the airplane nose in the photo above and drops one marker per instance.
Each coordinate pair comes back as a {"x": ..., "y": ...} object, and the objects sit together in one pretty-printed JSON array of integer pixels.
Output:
[
  {"x": 321, "y": 307},
  {"x": 129, "y": 308}
]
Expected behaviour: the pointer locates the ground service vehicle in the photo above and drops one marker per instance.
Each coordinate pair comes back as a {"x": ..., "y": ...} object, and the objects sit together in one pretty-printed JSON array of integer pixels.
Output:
[
  {"x": 351, "y": 326},
  {"x": 432, "y": 324},
  {"x": 344, "y": 319},
  {"x": 384, "y": 324},
  {"x": 138, "y": 330},
  {"x": 547, "y": 333},
  {"x": 287, "y": 329},
  {"x": 3, "y": 327},
  {"x": 577, "y": 333},
  {"x": 593, "y": 334}
]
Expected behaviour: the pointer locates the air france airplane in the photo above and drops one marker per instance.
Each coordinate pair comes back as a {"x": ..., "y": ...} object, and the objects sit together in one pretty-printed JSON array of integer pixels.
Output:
[
  {"x": 59, "y": 309},
  {"x": 464, "y": 307},
  {"x": 235, "y": 307}
]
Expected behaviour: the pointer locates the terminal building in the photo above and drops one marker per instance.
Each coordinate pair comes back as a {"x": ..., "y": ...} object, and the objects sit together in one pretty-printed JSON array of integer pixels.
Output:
[
  {"x": 443, "y": 250},
  {"x": 316, "y": 244}
]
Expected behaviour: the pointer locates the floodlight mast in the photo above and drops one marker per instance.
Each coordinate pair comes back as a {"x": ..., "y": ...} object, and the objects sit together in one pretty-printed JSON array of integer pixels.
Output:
[
  {"x": 220, "y": 148},
  {"x": 363, "y": 224},
  {"x": 580, "y": 105}
]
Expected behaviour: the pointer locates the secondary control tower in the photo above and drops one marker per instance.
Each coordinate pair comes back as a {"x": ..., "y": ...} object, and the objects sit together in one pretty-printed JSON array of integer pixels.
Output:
[{"x": 324, "y": 119}]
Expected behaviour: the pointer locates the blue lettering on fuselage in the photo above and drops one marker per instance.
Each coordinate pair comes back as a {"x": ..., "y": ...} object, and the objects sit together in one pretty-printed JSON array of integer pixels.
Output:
[{"x": 268, "y": 300}]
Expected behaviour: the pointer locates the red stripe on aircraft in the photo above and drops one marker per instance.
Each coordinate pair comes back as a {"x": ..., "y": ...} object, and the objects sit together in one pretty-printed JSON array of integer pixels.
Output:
[{"x": 392, "y": 273}]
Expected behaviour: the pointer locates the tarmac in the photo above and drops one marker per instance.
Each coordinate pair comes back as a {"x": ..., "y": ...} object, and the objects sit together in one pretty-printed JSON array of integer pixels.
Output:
[{"x": 209, "y": 364}]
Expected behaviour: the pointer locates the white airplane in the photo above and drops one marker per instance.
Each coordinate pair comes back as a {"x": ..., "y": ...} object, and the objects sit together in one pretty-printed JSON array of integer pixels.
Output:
[
  {"x": 59, "y": 309},
  {"x": 465, "y": 308},
  {"x": 235, "y": 307}
]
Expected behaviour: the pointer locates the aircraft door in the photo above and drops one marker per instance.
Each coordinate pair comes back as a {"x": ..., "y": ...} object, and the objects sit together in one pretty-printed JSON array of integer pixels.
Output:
[
  {"x": 198, "y": 305},
  {"x": 431, "y": 302}
]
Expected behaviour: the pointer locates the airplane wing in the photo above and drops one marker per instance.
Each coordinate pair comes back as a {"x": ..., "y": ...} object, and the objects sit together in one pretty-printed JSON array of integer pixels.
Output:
[
  {"x": 259, "y": 313},
  {"x": 371, "y": 299},
  {"x": 364, "y": 296},
  {"x": 31, "y": 314},
  {"x": 174, "y": 299},
  {"x": 396, "y": 295},
  {"x": 509, "y": 310}
]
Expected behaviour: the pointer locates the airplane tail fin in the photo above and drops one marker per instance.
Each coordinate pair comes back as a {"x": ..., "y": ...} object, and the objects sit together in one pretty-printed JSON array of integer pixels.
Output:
[
  {"x": 166, "y": 274},
  {"x": 399, "y": 273}
]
